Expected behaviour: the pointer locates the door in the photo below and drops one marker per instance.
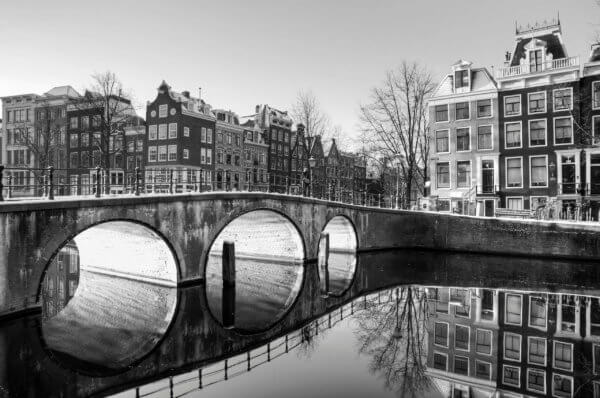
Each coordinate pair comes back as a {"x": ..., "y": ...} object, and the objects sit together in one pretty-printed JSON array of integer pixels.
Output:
[
  {"x": 535, "y": 61},
  {"x": 568, "y": 175},
  {"x": 595, "y": 174},
  {"x": 487, "y": 176},
  {"x": 488, "y": 208}
]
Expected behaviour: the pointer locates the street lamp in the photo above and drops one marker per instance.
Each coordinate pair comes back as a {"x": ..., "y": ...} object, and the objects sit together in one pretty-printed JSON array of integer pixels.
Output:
[{"x": 312, "y": 162}]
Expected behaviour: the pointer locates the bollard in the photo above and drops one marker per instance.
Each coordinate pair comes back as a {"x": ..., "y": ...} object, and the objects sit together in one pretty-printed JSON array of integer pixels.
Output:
[
  {"x": 228, "y": 274},
  {"x": 200, "y": 378},
  {"x": 137, "y": 181},
  {"x": 171, "y": 181},
  {"x": 50, "y": 183},
  {"x": 323, "y": 262},
  {"x": 97, "y": 181},
  {"x": 1, "y": 184}
]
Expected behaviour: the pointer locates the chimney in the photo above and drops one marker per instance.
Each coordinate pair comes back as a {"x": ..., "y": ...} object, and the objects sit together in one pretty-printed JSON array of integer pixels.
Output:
[
  {"x": 199, "y": 93},
  {"x": 507, "y": 56},
  {"x": 257, "y": 108},
  {"x": 186, "y": 94},
  {"x": 300, "y": 129}
]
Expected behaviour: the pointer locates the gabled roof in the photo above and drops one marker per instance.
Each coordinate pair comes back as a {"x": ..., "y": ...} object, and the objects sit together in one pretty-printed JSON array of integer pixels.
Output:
[
  {"x": 481, "y": 80},
  {"x": 59, "y": 91}
]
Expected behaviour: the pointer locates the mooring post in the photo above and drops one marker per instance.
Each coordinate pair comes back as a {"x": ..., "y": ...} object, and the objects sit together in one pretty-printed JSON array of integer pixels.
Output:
[
  {"x": 228, "y": 298},
  {"x": 324, "y": 263},
  {"x": 98, "y": 182}
]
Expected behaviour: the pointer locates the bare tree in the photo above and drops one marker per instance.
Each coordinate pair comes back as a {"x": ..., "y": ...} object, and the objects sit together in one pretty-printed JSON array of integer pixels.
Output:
[
  {"x": 394, "y": 123},
  {"x": 112, "y": 110},
  {"x": 307, "y": 110}
]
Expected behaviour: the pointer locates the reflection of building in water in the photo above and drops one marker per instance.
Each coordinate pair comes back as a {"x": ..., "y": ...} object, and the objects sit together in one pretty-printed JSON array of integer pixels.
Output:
[
  {"x": 61, "y": 280},
  {"x": 533, "y": 343}
]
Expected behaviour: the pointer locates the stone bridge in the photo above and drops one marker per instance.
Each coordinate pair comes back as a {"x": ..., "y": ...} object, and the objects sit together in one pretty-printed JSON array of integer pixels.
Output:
[{"x": 32, "y": 232}]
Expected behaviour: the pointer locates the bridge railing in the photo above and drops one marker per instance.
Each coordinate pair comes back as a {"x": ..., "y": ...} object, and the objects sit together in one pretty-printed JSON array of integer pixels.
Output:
[
  {"x": 238, "y": 364},
  {"x": 19, "y": 183}
]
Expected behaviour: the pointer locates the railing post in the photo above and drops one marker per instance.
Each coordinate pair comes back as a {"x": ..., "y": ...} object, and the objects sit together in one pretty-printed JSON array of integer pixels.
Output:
[
  {"x": 137, "y": 181},
  {"x": 228, "y": 274},
  {"x": 98, "y": 182},
  {"x": 1, "y": 183},
  {"x": 50, "y": 183}
]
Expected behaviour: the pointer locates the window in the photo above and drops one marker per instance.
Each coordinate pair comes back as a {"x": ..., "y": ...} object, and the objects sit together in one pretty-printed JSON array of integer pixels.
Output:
[
  {"x": 461, "y": 338},
  {"x": 596, "y": 95},
  {"x": 483, "y": 370},
  {"x": 484, "y": 108},
  {"x": 537, "y": 132},
  {"x": 440, "y": 361},
  {"x": 73, "y": 141},
  {"x": 512, "y": 135},
  {"x": 484, "y": 137},
  {"x": 229, "y": 138},
  {"x": 562, "y": 99},
  {"x": 443, "y": 175},
  {"x": 512, "y": 346},
  {"x": 220, "y": 157},
  {"x": 203, "y": 134},
  {"x": 461, "y": 365},
  {"x": 483, "y": 343},
  {"x": 514, "y": 173},
  {"x": 85, "y": 159},
  {"x": 96, "y": 121},
  {"x": 461, "y": 78},
  {"x": 596, "y": 128},
  {"x": 162, "y": 110},
  {"x": 511, "y": 376},
  {"x": 536, "y": 352},
  {"x": 186, "y": 131},
  {"x": 85, "y": 139},
  {"x": 186, "y": 154},
  {"x": 162, "y": 153},
  {"x": 208, "y": 156},
  {"x": 85, "y": 122},
  {"x": 463, "y": 174},
  {"x": 563, "y": 356},
  {"x": 513, "y": 309},
  {"x": 172, "y": 130},
  {"x": 536, "y": 380},
  {"x": 73, "y": 122},
  {"x": 441, "y": 334},
  {"x": 74, "y": 160},
  {"x": 537, "y": 102},
  {"x": 139, "y": 145},
  {"x": 514, "y": 203},
  {"x": 441, "y": 113},
  {"x": 441, "y": 141},
  {"x": 512, "y": 105},
  {"x": 462, "y": 139},
  {"x": 152, "y": 132},
  {"x": 202, "y": 155},
  {"x": 209, "y": 134},
  {"x": 563, "y": 130},
  {"x": 162, "y": 131},
  {"x": 538, "y": 171},
  {"x": 562, "y": 386},
  {"x": 462, "y": 110}
]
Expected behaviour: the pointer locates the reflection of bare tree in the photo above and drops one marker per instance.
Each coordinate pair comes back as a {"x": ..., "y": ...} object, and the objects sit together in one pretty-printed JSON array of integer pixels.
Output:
[{"x": 393, "y": 335}]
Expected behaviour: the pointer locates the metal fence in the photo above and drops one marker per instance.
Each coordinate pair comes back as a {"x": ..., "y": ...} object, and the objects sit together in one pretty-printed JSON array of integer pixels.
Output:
[
  {"x": 50, "y": 183},
  {"x": 236, "y": 365}
]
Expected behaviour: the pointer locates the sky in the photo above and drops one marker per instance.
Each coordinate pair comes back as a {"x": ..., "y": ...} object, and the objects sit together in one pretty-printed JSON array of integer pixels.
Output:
[{"x": 243, "y": 53}]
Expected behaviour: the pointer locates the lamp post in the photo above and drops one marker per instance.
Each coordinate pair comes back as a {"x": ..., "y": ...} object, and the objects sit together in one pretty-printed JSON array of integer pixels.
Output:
[{"x": 312, "y": 162}]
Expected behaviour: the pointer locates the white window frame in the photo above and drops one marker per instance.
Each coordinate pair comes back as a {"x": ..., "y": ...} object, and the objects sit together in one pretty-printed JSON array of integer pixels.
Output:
[
  {"x": 554, "y": 355},
  {"x": 554, "y": 130},
  {"x": 468, "y": 105},
  {"x": 469, "y": 182},
  {"x": 520, "y": 123},
  {"x": 165, "y": 152},
  {"x": 186, "y": 153},
  {"x": 592, "y": 93},
  {"x": 504, "y": 346},
  {"x": 531, "y": 297},
  {"x": 449, "y": 175},
  {"x": 520, "y": 105},
  {"x": 468, "y": 338},
  {"x": 563, "y": 376},
  {"x": 468, "y": 364},
  {"x": 484, "y": 362},
  {"x": 442, "y": 354},
  {"x": 186, "y": 131},
  {"x": 491, "y": 341},
  {"x": 447, "y": 334},
  {"x": 492, "y": 137},
  {"x": 491, "y": 108},
  {"x": 203, "y": 135},
  {"x": 456, "y": 142},
  {"x": 174, "y": 129},
  {"x": 529, "y": 338},
  {"x": 209, "y": 133},
  {"x": 595, "y": 139},
  {"x": 447, "y": 113},
  {"x": 545, "y": 103},
  {"x": 506, "y": 172},
  {"x": 169, "y": 152},
  {"x": 527, "y": 380},
  {"x": 545, "y": 132},
  {"x": 513, "y": 294},
  {"x": 155, "y": 153},
  {"x": 518, "y": 385},
  {"x": 448, "y": 132},
  {"x": 166, "y": 129},
  {"x": 554, "y": 102},
  {"x": 163, "y": 110},
  {"x": 547, "y": 176}
]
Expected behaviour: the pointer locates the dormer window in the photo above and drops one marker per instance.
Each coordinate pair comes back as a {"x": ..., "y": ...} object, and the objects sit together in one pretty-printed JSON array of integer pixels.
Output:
[
  {"x": 461, "y": 78},
  {"x": 535, "y": 61}
]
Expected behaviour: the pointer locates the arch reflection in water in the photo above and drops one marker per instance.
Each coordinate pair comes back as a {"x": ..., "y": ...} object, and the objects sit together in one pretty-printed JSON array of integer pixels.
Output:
[
  {"x": 269, "y": 257},
  {"x": 336, "y": 271},
  {"x": 108, "y": 297}
]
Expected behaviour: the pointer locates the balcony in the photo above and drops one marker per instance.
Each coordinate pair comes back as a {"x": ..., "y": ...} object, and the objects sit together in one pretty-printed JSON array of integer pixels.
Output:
[{"x": 553, "y": 65}]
